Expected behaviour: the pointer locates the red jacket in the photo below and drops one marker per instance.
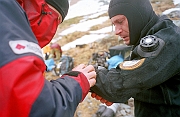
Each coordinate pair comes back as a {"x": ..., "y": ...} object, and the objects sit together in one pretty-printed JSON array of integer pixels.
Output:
[{"x": 23, "y": 89}]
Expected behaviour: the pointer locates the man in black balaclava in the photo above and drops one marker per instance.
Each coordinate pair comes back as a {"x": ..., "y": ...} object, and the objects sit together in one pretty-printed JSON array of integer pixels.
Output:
[
  {"x": 138, "y": 12},
  {"x": 151, "y": 75}
]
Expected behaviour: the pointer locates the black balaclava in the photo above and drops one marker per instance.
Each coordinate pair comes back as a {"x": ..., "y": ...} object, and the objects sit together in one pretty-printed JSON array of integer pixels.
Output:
[
  {"x": 138, "y": 12},
  {"x": 62, "y": 6}
]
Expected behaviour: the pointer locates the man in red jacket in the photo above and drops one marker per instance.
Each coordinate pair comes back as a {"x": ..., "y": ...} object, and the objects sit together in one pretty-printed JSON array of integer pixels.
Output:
[{"x": 24, "y": 92}]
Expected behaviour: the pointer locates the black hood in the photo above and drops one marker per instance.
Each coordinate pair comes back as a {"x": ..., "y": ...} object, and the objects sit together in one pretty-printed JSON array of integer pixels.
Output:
[
  {"x": 62, "y": 6},
  {"x": 138, "y": 12}
]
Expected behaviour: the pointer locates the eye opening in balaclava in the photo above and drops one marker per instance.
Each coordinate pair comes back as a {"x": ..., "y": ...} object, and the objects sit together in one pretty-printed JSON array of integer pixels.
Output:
[{"x": 138, "y": 13}]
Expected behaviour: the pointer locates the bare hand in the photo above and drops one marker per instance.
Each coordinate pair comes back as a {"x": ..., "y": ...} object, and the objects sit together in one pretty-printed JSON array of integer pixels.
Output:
[
  {"x": 102, "y": 100},
  {"x": 88, "y": 71}
]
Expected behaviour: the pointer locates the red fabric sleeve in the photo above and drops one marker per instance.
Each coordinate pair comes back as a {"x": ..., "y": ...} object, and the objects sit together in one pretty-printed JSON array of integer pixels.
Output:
[
  {"x": 21, "y": 81},
  {"x": 83, "y": 82}
]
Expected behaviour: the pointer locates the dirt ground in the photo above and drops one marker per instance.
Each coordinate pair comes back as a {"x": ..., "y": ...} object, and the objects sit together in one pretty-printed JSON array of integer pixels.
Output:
[{"x": 89, "y": 106}]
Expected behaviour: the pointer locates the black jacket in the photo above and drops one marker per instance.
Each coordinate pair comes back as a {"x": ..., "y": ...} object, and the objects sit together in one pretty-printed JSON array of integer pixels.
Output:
[{"x": 154, "y": 81}]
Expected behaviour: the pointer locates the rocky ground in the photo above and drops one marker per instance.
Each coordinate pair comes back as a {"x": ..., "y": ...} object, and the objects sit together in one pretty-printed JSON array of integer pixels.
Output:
[{"x": 89, "y": 106}]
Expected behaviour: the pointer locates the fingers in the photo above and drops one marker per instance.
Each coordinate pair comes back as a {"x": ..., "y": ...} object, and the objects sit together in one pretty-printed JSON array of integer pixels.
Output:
[
  {"x": 92, "y": 82},
  {"x": 77, "y": 68},
  {"x": 88, "y": 71},
  {"x": 84, "y": 68},
  {"x": 90, "y": 75},
  {"x": 89, "y": 68}
]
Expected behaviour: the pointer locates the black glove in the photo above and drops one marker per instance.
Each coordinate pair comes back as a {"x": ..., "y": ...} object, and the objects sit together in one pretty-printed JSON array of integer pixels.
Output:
[{"x": 109, "y": 85}]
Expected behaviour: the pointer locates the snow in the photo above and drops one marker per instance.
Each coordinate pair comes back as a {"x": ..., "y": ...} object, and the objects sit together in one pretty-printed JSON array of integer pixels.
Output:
[
  {"x": 86, "y": 7},
  {"x": 103, "y": 30},
  {"x": 84, "y": 26},
  {"x": 176, "y": 2},
  {"x": 170, "y": 10},
  {"x": 86, "y": 39},
  {"x": 91, "y": 9}
]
